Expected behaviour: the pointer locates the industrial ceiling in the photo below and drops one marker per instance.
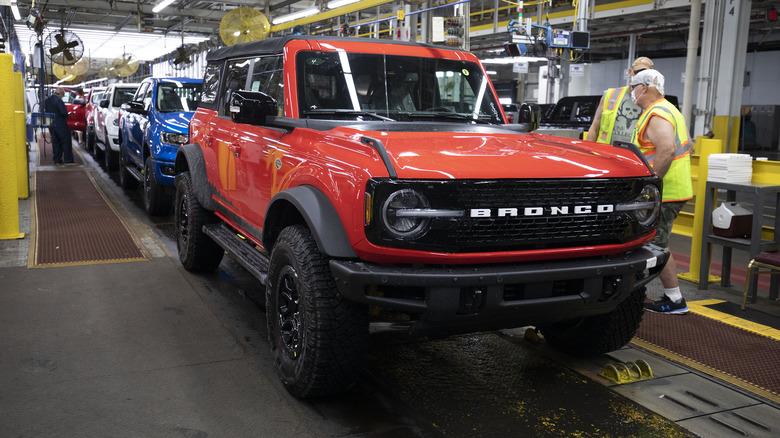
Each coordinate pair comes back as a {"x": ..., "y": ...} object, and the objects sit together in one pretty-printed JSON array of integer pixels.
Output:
[{"x": 660, "y": 27}]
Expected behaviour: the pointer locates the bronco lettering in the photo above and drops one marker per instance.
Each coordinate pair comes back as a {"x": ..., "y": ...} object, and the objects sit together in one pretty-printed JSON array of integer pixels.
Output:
[{"x": 542, "y": 211}]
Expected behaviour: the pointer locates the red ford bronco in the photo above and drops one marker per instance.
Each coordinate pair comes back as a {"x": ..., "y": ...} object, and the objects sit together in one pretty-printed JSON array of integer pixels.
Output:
[{"x": 365, "y": 181}]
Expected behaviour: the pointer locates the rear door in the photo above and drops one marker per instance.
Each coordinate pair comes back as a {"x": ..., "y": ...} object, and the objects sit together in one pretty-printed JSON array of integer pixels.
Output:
[
  {"x": 133, "y": 135},
  {"x": 223, "y": 137},
  {"x": 263, "y": 156}
]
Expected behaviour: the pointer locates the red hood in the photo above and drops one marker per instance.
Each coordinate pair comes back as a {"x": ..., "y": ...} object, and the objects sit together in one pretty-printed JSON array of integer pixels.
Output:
[{"x": 492, "y": 153}]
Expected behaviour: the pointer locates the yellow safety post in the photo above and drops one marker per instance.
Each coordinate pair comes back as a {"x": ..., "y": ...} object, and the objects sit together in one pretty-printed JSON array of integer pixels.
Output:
[
  {"x": 708, "y": 146},
  {"x": 22, "y": 177},
  {"x": 9, "y": 200}
]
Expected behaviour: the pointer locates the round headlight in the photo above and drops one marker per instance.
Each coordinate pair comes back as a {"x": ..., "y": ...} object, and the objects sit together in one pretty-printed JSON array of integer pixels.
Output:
[
  {"x": 645, "y": 206},
  {"x": 399, "y": 217},
  {"x": 649, "y": 204}
]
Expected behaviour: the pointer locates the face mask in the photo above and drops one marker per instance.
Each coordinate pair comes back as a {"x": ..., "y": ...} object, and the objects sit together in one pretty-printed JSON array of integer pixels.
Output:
[{"x": 634, "y": 97}]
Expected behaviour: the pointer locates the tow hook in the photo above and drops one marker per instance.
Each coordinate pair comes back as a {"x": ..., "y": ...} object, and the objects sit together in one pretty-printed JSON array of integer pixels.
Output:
[{"x": 471, "y": 300}]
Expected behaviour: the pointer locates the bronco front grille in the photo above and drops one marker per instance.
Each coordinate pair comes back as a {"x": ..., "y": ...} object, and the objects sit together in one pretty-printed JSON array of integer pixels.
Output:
[{"x": 512, "y": 215}]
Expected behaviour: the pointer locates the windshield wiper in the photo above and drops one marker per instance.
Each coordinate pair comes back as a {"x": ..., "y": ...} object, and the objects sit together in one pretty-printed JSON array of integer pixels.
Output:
[
  {"x": 449, "y": 116},
  {"x": 348, "y": 112}
]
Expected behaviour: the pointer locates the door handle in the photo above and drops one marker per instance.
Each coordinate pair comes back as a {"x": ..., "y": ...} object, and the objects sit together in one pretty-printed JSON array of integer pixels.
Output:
[{"x": 235, "y": 148}]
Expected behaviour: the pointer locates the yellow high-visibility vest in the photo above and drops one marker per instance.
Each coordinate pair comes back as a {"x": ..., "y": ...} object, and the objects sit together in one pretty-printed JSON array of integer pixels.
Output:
[
  {"x": 677, "y": 181},
  {"x": 618, "y": 109}
]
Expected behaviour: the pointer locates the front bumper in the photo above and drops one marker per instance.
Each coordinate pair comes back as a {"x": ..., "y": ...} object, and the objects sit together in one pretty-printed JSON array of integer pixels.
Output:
[{"x": 462, "y": 299}]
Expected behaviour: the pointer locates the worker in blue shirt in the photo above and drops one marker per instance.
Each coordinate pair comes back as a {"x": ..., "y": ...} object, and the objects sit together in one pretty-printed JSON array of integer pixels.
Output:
[{"x": 62, "y": 148}]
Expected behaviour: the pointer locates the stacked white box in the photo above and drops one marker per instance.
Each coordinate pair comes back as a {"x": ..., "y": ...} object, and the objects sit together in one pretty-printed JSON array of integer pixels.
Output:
[{"x": 731, "y": 168}]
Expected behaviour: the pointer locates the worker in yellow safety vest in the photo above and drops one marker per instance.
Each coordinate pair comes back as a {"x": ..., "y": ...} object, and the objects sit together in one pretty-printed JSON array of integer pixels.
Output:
[
  {"x": 616, "y": 115},
  {"x": 662, "y": 135}
]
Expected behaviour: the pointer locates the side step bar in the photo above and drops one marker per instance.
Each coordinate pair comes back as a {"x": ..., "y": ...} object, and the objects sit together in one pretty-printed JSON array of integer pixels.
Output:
[
  {"x": 253, "y": 260},
  {"x": 137, "y": 173}
]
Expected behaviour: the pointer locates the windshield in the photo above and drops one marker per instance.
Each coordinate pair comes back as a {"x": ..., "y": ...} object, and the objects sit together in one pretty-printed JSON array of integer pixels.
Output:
[
  {"x": 123, "y": 95},
  {"x": 356, "y": 86},
  {"x": 178, "y": 96}
]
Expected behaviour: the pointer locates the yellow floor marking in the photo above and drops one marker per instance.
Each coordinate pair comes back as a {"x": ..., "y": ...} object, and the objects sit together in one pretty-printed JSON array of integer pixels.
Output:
[{"x": 699, "y": 308}]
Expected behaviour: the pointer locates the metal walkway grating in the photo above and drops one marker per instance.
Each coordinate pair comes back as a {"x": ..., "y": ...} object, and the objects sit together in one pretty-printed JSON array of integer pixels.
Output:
[
  {"x": 73, "y": 223},
  {"x": 712, "y": 342}
]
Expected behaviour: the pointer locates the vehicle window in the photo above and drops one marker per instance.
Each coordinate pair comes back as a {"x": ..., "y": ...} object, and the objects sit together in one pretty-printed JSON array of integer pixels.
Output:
[
  {"x": 140, "y": 94},
  {"x": 210, "y": 83},
  {"x": 147, "y": 97},
  {"x": 563, "y": 111},
  {"x": 267, "y": 76},
  {"x": 123, "y": 95},
  {"x": 235, "y": 79},
  {"x": 178, "y": 96},
  {"x": 585, "y": 111},
  {"x": 573, "y": 109},
  {"x": 96, "y": 96},
  {"x": 69, "y": 97},
  {"x": 399, "y": 87}
]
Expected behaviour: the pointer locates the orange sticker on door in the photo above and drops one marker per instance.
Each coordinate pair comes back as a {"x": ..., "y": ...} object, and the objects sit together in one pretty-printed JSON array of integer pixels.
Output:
[{"x": 227, "y": 166}]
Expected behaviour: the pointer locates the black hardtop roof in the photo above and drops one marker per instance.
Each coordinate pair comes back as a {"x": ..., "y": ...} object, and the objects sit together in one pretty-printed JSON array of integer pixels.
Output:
[{"x": 275, "y": 45}]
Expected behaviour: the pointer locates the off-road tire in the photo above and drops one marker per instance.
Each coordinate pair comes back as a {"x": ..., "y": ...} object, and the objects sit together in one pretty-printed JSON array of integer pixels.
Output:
[
  {"x": 126, "y": 179},
  {"x": 89, "y": 140},
  {"x": 317, "y": 338},
  {"x": 156, "y": 201},
  {"x": 197, "y": 251},
  {"x": 96, "y": 151},
  {"x": 597, "y": 335}
]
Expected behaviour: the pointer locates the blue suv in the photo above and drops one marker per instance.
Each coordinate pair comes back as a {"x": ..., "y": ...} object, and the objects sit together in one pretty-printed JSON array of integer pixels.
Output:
[{"x": 152, "y": 127}]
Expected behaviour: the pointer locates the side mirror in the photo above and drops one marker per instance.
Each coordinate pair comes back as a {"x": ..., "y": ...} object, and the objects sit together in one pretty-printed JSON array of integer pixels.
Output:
[
  {"x": 104, "y": 103},
  {"x": 530, "y": 114},
  {"x": 133, "y": 107},
  {"x": 79, "y": 101},
  {"x": 252, "y": 107}
]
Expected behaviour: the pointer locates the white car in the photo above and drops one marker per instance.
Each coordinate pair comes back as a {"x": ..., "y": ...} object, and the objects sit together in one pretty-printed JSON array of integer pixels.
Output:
[{"x": 107, "y": 122}]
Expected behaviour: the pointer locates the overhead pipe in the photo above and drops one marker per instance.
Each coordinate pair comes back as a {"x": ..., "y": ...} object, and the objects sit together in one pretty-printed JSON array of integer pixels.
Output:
[
  {"x": 354, "y": 7},
  {"x": 389, "y": 18}
]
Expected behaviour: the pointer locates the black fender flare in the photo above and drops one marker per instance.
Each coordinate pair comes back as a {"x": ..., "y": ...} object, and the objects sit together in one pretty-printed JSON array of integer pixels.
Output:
[
  {"x": 320, "y": 216},
  {"x": 189, "y": 157}
]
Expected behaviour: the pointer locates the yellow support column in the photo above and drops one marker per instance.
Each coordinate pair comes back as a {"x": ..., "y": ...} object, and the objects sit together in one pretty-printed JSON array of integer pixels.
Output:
[
  {"x": 720, "y": 130},
  {"x": 9, "y": 199},
  {"x": 22, "y": 175},
  {"x": 734, "y": 141},
  {"x": 708, "y": 146}
]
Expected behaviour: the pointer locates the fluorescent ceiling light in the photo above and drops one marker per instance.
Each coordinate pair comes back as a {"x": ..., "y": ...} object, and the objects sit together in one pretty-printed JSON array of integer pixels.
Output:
[
  {"x": 162, "y": 5},
  {"x": 15, "y": 10},
  {"x": 295, "y": 15},
  {"x": 110, "y": 44},
  {"x": 513, "y": 60},
  {"x": 339, "y": 3}
]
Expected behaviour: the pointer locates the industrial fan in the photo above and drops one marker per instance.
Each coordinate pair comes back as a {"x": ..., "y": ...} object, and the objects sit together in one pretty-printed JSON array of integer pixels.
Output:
[
  {"x": 63, "y": 72},
  {"x": 107, "y": 71},
  {"x": 64, "y": 47},
  {"x": 125, "y": 66},
  {"x": 71, "y": 73},
  {"x": 182, "y": 57},
  {"x": 242, "y": 25}
]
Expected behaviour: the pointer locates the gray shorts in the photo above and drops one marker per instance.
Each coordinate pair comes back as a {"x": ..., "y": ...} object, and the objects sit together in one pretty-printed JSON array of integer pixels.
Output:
[{"x": 669, "y": 212}]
